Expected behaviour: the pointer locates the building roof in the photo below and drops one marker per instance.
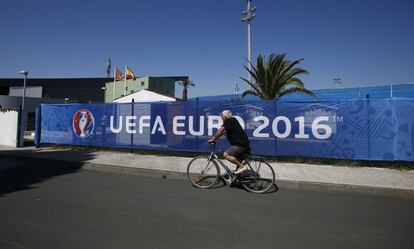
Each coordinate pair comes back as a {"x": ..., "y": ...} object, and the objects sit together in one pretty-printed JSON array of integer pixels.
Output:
[
  {"x": 75, "y": 82},
  {"x": 55, "y": 82},
  {"x": 160, "y": 93},
  {"x": 146, "y": 95},
  {"x": 176, "y": 78}
]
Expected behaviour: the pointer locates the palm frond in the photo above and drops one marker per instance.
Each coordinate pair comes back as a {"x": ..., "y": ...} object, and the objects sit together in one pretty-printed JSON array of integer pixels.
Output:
[
  {"x": 255, "y": 87},
  {"x": 275, "y": 76},
  {"x": 297, "y": 90},
  {"x": 296, "y": 82},
  {"x": 250, "y": 92}
]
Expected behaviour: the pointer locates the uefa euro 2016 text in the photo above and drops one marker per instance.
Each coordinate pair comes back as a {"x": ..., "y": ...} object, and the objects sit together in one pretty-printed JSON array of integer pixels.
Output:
[{"x": 281, "y": 126}]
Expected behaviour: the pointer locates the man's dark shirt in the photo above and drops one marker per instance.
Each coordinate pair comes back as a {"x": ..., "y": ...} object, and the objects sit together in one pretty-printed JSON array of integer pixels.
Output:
[{"x": 235, "y": 133}]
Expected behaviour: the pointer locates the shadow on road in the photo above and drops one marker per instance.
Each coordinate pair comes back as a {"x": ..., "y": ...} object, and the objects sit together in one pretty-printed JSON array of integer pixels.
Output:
[
  {"x": 21, "y": 170},
  {"x": 273, "y": 189},
  {"x": 222, "y": 183}
]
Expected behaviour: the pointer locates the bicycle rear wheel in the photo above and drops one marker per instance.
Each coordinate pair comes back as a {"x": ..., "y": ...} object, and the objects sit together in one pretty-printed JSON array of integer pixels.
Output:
[
  {"x": 260, "y": 176},
  {"x": 203, "y": 173}
]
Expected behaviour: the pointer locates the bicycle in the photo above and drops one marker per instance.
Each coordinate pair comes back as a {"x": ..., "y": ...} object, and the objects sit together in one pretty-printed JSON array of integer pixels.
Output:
[{"x": 204, "y": 172}]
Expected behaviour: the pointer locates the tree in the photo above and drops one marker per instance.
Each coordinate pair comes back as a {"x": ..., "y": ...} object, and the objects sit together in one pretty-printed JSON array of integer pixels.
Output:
[
  {"x": 276, "y": 77},
  {"x": 186, "y": 83}
]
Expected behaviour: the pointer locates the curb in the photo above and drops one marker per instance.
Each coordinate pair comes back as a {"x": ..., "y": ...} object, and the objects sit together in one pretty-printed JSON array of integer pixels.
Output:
[
  {"x": 354, "y": 190},
  {"x": 281, "y": 184}
]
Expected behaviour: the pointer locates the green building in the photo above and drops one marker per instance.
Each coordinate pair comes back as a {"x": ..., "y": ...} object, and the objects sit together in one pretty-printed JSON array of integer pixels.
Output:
[{"x": 164, "y": 85}]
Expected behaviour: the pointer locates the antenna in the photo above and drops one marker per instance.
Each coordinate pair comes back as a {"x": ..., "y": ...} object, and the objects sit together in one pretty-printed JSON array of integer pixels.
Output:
[
  {"x": 337, "y": 81},
  {"x": 236, "y": 88},
  {"x": 108, "y": 68}
]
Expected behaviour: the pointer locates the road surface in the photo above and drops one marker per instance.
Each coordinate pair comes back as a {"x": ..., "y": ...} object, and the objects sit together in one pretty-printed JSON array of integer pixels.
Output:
[{"x": 44, "y": 204}]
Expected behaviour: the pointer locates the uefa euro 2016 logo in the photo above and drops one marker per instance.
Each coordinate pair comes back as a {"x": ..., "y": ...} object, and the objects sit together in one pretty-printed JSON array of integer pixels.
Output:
[{"x": 83, "y": 123}]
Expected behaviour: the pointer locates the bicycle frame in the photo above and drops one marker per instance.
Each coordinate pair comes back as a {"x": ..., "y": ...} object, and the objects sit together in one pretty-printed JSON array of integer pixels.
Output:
[{"x": 213, "y": 156}]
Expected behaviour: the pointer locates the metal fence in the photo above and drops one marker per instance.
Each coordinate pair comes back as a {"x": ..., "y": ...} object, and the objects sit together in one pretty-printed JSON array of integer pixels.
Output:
[
  {"x": 375, "y": 92},
  {"x": 369, "y": 129}
]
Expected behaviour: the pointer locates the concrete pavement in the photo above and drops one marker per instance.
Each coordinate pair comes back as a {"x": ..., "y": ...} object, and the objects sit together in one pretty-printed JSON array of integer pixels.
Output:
[{"x": 352, "y": 180}]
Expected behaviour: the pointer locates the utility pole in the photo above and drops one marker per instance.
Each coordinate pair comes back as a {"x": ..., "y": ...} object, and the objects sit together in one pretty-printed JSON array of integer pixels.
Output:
[{"x": 249, "y": 14}]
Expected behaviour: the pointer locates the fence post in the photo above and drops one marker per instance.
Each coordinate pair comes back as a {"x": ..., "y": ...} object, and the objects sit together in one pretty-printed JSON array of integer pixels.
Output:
[
  {"x": 19, "y": 129},
  {"x": 369, "y": 126},
  {"x": 132, "y": 134},
  {"x": 396, "y": 130},
  {"x": 197, "y": 122},
  {"x": 271, "y": 124},
  {"x": 38, "y": 123}
]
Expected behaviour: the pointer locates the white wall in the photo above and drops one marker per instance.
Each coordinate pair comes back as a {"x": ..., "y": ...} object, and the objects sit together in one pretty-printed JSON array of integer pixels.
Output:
[
  {"x": 31, "y": 91},
  {"x": 30, "y": 103},
  {"x": 8, "y": 127}
]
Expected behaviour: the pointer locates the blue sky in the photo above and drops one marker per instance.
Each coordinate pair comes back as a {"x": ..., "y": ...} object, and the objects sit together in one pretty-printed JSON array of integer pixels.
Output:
[{"x": 364, "y": 43}]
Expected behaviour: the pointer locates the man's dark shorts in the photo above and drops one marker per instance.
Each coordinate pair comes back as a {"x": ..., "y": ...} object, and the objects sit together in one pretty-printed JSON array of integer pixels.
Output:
[{"x": 237, "y": 151}]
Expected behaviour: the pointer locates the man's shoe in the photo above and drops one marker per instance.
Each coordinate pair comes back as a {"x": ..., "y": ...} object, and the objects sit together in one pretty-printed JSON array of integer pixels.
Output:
[{"x": 240, "y": 170}]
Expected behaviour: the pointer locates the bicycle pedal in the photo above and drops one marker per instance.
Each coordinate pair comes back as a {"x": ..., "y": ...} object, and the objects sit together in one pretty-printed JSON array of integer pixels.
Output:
[
  {"x": 226, "y": 176},
  {"x": 244, "y": 173},
  {"x": 228, "y": 181}
]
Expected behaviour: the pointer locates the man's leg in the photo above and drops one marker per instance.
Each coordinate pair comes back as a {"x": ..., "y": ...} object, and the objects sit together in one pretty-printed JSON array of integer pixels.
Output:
[
  {"x": 232, "y": 153},
  {"x": 232, "y": 159}
]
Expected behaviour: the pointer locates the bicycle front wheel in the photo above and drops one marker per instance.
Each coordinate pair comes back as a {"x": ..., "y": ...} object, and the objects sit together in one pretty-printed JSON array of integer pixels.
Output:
[
  {"x": 260, "y": 176},
  {"x": 202, "y": 172}
]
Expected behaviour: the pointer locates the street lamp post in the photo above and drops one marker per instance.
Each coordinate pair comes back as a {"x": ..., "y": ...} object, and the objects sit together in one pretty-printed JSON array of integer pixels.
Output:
[
  {"x": 249, "y": 14},
  {"x": 23, "y": 111},
  {"x": 24, "y": 73}
]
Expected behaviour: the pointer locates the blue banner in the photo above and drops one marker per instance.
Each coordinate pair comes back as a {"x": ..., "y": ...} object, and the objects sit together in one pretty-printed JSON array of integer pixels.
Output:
[{"x": 380, "y": 129}]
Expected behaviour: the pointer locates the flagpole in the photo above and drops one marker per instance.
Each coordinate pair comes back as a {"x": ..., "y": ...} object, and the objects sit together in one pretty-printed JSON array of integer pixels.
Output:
[
  {"x": 113, "y": 92},
  {"x": 125, "y": 72}
]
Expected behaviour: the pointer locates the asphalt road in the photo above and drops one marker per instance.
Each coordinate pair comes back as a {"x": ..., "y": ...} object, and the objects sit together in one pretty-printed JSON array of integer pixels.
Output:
[{"x": 48, "y": 205}]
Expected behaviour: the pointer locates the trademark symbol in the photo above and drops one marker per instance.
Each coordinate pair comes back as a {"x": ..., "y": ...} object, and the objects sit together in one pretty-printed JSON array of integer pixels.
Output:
[{"x": 336, "y": 119}]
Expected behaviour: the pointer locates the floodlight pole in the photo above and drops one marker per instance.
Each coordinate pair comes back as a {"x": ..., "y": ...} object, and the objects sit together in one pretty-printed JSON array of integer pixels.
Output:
[
  {"x": 249, "y": 42},
  {"x": 249, "y": 15}
]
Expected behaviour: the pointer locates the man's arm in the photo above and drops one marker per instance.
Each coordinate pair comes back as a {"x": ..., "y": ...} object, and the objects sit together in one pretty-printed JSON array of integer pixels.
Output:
[{"x": 218, "y": 134}]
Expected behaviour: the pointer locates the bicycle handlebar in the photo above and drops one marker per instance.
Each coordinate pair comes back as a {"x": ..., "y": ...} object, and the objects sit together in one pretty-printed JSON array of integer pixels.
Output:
[{"x": 212, "y": 145}]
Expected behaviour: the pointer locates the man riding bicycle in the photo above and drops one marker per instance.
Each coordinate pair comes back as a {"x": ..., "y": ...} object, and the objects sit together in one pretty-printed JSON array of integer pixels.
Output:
[{"x": 237, "y": 137}]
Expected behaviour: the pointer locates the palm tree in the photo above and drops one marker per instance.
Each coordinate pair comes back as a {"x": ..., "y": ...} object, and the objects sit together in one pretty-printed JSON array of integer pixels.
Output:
[
  {"x": 186, "y": 83},
  {"x": 276, "y": 77}
]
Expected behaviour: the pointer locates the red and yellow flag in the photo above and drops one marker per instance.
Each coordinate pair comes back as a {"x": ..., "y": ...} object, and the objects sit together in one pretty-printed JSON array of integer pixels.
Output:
[
  {"x": 129, "y": 74},
  {"x": 118, "y": 74}
]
